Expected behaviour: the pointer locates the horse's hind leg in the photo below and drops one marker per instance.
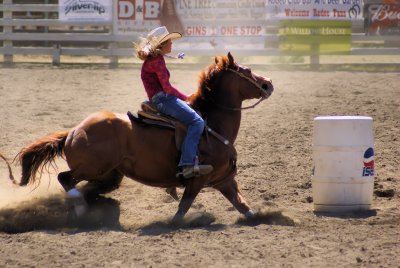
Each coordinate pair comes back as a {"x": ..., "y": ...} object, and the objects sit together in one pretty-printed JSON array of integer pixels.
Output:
[
  {"x": 230, "y": 190},
  {"x": 68, "y": 182},
  {"x": 105, "y": 184},
  {"x": 173, "y": 193}
]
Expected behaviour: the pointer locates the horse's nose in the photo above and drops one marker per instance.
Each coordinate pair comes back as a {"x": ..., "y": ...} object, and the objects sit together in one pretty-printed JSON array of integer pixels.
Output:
[
  {"x": 264, "y": 86},
  {"x": 267, "y": 88}
]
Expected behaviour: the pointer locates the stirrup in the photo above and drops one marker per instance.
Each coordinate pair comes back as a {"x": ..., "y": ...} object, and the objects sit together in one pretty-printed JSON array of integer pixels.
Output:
[{"x": 195, "y": 171}]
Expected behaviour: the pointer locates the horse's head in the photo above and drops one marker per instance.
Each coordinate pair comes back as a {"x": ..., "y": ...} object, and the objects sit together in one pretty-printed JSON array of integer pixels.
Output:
[
  {"x": 250, "y": 84},
  {"x": 225, "y": 84}
]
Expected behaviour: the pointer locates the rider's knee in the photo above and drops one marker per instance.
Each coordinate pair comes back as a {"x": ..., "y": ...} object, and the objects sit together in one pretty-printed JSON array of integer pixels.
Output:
[{"x": 199, "y": 124}]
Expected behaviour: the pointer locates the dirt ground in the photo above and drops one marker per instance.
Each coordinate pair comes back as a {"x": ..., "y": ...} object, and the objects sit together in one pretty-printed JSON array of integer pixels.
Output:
[{"x": 130, "y": 227}]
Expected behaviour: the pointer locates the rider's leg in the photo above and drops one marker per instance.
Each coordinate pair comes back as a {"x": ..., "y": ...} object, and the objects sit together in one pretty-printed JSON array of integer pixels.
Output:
[{"x": 180, "y": 110}]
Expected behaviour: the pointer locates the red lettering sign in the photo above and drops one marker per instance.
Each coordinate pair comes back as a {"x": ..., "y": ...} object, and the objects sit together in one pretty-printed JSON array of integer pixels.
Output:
[
  {"x": 126, "y": 9},
  {"x": 383, "y": 19},
  {"x": 151, "y": 9}
]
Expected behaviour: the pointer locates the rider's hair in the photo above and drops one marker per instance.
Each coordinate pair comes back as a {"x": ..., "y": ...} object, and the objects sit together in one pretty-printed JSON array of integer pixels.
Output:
[{"x": 148, "y": 48}]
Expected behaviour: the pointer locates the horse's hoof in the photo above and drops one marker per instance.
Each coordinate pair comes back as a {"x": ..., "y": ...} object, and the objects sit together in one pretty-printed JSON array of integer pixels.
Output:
[
  {"x": 177, "y": 219},
  {"x": 172, "y": 192},
  {"x": 80, "y": 204},
  {"x": 249, "y": 214},
  {"x": 74, "y": 193}
]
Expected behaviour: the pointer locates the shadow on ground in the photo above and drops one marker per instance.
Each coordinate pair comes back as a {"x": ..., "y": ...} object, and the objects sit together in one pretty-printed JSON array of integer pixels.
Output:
[
  {"x": 357, "y": 214},
  {"x": 206, "y": 220},
  {"x": 57, "y": 213}
]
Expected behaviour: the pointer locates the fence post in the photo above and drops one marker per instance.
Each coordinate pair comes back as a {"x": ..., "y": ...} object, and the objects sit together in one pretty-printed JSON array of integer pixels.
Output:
[
  {"x": 113, "y": 45},
  {"x": 113, "y": 59},
  {"x": 314, "y": 60},
  {"x": 8, "y": 44},
  {"x": 56, "y": 55},
  {"x": 314, "y": 57}
]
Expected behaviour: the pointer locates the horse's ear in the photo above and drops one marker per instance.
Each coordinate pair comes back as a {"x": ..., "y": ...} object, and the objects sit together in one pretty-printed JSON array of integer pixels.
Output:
[
  {"x": 231, "y": 60},
  {"x": 216, "y": 60}
]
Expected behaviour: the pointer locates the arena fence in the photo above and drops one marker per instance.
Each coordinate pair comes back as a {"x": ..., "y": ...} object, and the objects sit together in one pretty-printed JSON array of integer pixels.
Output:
[{"x": 34, "y": 29}]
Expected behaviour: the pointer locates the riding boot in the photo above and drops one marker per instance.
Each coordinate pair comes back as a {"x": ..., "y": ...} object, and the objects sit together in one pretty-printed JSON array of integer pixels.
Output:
[{"x": 195, "y": 171}]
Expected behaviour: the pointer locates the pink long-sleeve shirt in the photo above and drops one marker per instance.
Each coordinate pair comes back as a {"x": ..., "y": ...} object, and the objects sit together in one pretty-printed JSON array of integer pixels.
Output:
[{"x": 155, "y": 77}]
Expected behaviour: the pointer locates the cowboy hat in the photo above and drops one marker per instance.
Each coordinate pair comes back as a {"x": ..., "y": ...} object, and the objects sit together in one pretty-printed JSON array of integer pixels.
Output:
[{"x": 160, "y": 35}]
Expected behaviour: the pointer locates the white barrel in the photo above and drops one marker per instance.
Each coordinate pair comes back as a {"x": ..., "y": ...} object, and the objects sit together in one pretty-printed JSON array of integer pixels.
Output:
[{"x": 343, "y": 156}]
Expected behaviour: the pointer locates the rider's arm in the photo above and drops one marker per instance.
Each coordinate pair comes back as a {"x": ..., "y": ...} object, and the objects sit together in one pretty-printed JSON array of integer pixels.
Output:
[{"x": 163, "y": 76}]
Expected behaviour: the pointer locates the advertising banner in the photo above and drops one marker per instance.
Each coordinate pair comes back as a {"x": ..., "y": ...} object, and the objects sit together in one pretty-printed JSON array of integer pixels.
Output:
[
  {"x": 244, "y": 24},
  {"x": 314, "y": 9},
  {"x": 315, "y": 37},
  {"x": 382, "y": 18},
  {"x": 314, "y": 26},
  {"x": 205, "y": 23},
  {"x": 85, "y": 10},
  {"x": 224, "y": 24},
  {"x": 136, "y": 16},
  {"x": 191, "y": 17}
]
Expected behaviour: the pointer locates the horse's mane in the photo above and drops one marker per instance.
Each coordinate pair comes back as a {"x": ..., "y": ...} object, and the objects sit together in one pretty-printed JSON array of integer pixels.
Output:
[{"x": 207, "y": 77}]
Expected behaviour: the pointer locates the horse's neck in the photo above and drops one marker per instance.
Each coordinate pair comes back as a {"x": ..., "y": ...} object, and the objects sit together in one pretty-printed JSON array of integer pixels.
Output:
[
  {"x": 221, "y": 118},
  {"x": 225, "y": 121},
  {"x": 226, "y": 124}
]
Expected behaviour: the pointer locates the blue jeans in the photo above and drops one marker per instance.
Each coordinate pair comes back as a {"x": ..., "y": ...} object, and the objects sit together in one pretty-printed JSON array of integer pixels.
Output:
[{"x": 180, "y": 110}]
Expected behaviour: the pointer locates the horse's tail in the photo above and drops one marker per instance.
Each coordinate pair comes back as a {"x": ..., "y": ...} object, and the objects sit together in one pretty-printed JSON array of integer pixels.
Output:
[
  {"x": 40, "y": 154},
  {"x": 10, "y": 174}
]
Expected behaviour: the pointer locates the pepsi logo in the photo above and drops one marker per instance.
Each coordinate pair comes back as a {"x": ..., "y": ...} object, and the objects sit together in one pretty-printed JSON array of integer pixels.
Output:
[{"x": 368, "y": 169}]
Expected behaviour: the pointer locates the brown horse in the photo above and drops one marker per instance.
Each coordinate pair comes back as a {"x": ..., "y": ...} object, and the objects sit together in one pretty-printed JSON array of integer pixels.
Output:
[{"x": 107, "y": 146}]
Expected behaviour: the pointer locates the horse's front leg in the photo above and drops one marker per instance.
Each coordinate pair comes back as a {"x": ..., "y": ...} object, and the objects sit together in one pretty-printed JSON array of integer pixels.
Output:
[
  {"x": 192, "y": 189},
  {"x": 230, "y": 189}
]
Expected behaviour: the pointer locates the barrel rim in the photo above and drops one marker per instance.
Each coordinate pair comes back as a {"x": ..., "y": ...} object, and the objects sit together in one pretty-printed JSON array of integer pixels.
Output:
[
  {"x": 342, "y": 117},
  {"x": 342, "y": 180}
]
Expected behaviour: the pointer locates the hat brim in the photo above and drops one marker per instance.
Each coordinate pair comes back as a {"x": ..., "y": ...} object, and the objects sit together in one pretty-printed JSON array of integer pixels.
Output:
[{"x": 173, "y": 35}]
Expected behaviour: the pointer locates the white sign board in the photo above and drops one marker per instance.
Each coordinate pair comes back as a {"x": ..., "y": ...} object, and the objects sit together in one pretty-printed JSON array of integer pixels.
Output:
[
  {"x": 208, "y": 22},
  {"x": 85, "y": 10},
  {"x": 136, "y": 16}
]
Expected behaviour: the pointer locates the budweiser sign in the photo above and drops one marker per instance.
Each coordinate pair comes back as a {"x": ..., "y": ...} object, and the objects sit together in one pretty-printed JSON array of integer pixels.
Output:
[
  {"x": 383, "y": 19},
  {"x": 384, "y": 12}
]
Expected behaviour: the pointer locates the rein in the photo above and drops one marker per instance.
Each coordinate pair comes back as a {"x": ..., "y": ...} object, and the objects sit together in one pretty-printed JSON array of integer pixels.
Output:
[
  {"x": 238, "y": 109},
  {"x": 241, "y": 108}
]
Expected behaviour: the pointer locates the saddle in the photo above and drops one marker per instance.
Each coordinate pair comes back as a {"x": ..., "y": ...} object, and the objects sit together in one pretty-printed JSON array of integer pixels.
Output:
[{"x": 149, "y": 115}]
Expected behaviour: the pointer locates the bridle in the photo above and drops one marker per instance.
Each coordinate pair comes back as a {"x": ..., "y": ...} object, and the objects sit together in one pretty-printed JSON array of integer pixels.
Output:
[{"x": 264, "y": 94}]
